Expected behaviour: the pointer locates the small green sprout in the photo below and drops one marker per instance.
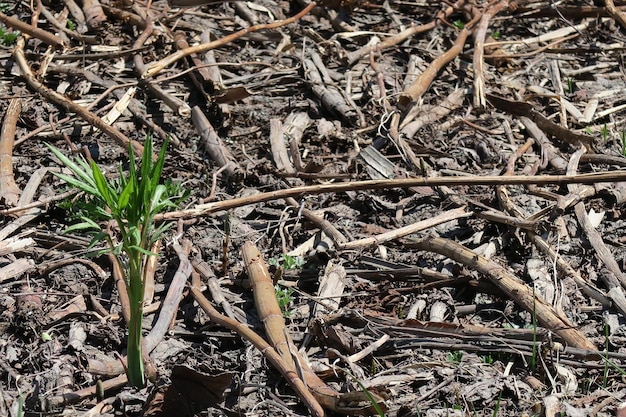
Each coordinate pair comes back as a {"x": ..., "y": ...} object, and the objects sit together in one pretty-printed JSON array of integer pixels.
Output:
[
  {"x": 8, "y": 38},
  {"x": 284, "y": 296},
  {"x": 70, "y": 24},
  {"x": 458, "y": 24},
  {"x": 570, "y": 85},
  {"x": 488, "y": 359},
  {"x": 287, "y": 262},
  {"x": 496, "y": 35},
  {"x": 455, "y": 356}
]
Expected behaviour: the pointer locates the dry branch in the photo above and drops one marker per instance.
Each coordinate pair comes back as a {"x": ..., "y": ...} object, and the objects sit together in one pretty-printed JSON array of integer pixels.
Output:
[
  {"x": 276, "y": 331},
  {"x": 9, "y": 191},
  {"x": 154, "y": 68},
  {"x": 203, "y": 209},
  {"x": 510, "y": 284}
]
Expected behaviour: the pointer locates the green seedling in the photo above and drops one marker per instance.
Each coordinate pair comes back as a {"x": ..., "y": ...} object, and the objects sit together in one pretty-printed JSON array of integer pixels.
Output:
[
  {"x": 287, "y": 262},
  {"x": 605, "y": 133},
  {"x": 284, "y": 296},
  {"x": 623, "y": 143},
  {"x": 496, "y": 35},
  {"x": 70, "y": 24},
  {"x": 8, "y": 38},
  {"x": 370, "y": 397},
  {"x": 131, "y": 203},
  {"x": 570, "y": 85},
  {"x": 455, "y": 356},
  {"x": 458, "y": 24}
]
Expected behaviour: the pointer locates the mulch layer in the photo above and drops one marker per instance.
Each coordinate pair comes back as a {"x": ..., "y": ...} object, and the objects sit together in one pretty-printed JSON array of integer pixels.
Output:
[{"x": 399, "y": 208}]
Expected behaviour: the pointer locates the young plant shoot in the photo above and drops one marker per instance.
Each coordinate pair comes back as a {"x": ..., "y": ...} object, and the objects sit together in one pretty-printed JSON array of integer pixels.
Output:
[{"x": 131, "y": 202}]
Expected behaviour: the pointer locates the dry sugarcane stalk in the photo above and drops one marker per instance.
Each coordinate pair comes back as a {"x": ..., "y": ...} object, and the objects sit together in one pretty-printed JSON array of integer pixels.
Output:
[
  {"x": 423, "y": 82},
  {"x": 9, "y": 191},
  {"x": 510, "y": 284},
  {"x": 272, "y": 318},
  {"x": 69, "y": 105},
  {"x": 247, "y": 334},
  {"x": 479, "y": 49},
  {"x": 203, "y": 209},
  {"x": 156, "y": 67}
]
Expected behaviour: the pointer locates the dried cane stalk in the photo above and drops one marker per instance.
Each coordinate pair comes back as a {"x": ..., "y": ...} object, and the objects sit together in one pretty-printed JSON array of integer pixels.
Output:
[
  {"x": 204, "y": 209},
  {"x": 8, "y": 189},
  {"x": 246, "y": 333},
  {"x": 421, "y": 84},
  {"x": 272, "y": 318},
  {"x": 508, "y": 283}
]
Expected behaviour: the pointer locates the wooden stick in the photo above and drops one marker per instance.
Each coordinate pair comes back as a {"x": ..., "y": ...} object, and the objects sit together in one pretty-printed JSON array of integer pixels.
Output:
[
  {"x": 510, "y": 284},
  {"x": 154, "y": 68},
  {"x": 204, "y": 209},
  {"x": 275, "y": 329}
]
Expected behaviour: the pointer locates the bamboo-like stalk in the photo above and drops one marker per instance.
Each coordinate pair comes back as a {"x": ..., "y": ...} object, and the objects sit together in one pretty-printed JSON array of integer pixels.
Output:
[
  {"x": 246, "y": 333},
  {"x": 275, "y": 329},
  {"x": 508, "y": 283}
]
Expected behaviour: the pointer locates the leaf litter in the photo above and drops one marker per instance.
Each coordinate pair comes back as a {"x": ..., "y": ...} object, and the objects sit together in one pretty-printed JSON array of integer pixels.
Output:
[{"x": 450, "y": 174}]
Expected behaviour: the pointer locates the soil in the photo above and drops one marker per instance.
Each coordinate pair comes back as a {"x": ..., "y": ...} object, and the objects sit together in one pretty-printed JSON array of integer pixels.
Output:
[{"x": 490, "y": 285}]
